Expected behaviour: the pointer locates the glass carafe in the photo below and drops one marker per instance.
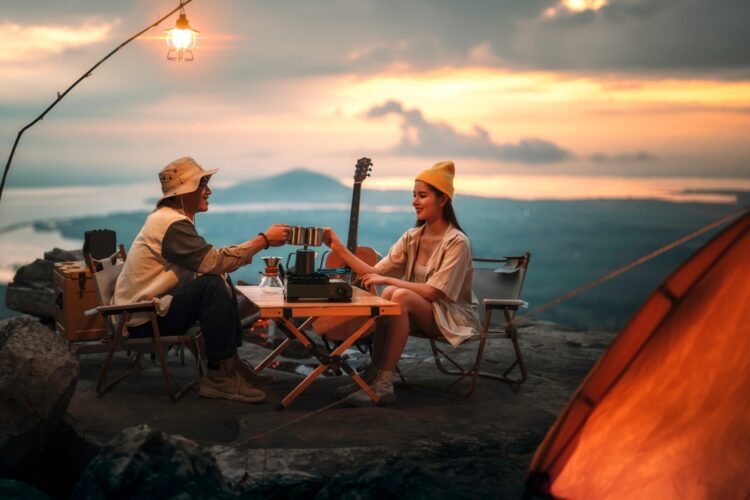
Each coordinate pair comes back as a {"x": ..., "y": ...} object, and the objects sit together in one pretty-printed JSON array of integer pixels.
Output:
[{"x": 270, "y": 281}]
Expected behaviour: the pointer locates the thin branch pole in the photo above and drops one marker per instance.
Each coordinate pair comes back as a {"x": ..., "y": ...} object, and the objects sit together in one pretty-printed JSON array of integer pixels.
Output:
[{"x": 85, "y": 75}]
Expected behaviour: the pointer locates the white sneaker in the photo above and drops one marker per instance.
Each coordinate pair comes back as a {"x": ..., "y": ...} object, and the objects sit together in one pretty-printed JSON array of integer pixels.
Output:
[
  {"x": 383, "y": 388},
  {"x": 368, "y": 375}
]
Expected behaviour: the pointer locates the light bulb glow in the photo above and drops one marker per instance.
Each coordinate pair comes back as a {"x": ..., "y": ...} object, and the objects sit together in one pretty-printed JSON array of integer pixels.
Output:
[{"x": 181, "y": 39}]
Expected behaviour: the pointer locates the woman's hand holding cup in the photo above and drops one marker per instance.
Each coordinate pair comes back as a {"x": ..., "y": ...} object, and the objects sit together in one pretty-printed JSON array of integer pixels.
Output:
[{"x": 330, "y": 238}]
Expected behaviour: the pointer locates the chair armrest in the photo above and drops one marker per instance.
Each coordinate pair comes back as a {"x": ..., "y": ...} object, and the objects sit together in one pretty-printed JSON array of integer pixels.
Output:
[
  {"x": 146, "y": 306},
  {"x": 505, "y": 303}
]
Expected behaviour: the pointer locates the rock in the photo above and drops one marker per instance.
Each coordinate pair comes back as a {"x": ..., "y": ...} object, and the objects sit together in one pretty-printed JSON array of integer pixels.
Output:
[
  {"x": 146, "y": 463},
  {"x": 32, "y": 290},
  {"x": 16, "y": 489},
  {"x": 66, "y": 455},
  {"x": 59, "y": 255},
  {"x": 38, "y": 375},
  {"x": 449, "y": 468}
]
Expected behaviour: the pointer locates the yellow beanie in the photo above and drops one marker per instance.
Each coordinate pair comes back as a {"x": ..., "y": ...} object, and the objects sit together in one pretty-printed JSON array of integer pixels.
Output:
[{"x": 440, "y": 176}]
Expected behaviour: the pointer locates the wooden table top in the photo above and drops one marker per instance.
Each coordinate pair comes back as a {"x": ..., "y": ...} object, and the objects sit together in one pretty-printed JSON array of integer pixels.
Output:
[{"x": 273, "y": 305}]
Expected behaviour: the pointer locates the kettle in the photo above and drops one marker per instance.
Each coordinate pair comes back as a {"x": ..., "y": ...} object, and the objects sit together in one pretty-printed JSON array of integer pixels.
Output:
[{"x": 304, "y": 262}]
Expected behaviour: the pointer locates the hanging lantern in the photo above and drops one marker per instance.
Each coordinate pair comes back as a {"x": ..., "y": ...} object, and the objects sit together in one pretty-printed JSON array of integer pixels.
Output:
[{"x": 181, "y": 40}]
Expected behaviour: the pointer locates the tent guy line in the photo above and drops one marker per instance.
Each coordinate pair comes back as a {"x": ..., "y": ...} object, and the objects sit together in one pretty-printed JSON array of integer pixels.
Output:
[{"x": 630, "y": 265}]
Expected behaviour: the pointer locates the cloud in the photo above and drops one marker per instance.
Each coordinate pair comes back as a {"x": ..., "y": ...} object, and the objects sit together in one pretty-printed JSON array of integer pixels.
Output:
[
  {"x": 364, "y": 37},
  {"x": 667, "y": 36},
  {"x": 22, "y": 43},
  {"x": 676, "y": 37},
  {"x": 637, "y": 157},
  {"x": 424, "y": 138}
]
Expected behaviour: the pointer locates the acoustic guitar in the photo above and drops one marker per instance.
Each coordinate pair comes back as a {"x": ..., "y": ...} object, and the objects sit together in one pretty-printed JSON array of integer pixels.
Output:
[
  {"x": 340, "y": 328},
  {"x": 366, "y": 254}
]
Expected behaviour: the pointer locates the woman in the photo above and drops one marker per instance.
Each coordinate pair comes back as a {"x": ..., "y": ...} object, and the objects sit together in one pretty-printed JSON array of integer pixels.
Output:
[{"x": 427, "y": 272}]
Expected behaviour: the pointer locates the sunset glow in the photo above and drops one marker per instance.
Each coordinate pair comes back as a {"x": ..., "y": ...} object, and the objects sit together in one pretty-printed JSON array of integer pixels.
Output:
[
  {"x": 561, "y": 187},
  {"x": 581, "y": 5},
  {"x": 20, "y": 43}
]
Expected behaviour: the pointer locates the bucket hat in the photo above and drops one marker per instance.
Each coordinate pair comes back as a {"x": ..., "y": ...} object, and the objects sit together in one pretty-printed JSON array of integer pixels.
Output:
[{"x": 182, "y": 176}]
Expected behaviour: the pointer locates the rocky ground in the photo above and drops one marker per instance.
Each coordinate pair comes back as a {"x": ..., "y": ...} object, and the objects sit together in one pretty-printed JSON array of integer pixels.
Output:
[
  {"x": 428, "y": 443},
  {"x": 58, "y": 435}
]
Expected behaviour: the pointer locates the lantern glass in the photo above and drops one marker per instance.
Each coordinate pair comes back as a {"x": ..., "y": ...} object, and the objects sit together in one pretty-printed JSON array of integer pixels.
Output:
[{"x": 181, "y": 40}]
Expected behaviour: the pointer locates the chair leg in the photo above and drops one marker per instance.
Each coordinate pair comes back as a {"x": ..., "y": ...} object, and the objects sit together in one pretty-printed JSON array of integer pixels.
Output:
[
  {"x": 512, "y": 333},
  {"x": 102, "y": 384},
  {"x": 462, "y": 372},
  {"x": 195, "y": 349},
  {"x": 474, "y": 371},
  {"x": 401, "y": 375},
  {"x": 169, "y": 383}
]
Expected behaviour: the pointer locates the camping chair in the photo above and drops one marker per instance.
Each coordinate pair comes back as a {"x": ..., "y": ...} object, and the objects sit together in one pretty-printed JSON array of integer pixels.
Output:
[
  {"x": 498, "y": 289},
  {"x": 105, "y": 273}
]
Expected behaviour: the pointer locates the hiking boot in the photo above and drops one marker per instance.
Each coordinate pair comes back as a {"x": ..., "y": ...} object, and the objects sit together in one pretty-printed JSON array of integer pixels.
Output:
[
  {"x": 368, "y": 375},
  {"x": 247, "y": 372},
  {"x": 227, "y": 384},
  {"x": 383, "y": 388}
]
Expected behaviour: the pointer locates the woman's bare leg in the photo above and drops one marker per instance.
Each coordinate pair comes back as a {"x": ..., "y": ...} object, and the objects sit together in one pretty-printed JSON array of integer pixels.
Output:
[
  {"x": 415, "y": 308},
  {"x": 381, "y": 327}
]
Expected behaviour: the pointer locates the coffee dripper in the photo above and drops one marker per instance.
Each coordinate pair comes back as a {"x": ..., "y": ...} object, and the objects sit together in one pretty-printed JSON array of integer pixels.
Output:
[{"x": 271, "y": 278}]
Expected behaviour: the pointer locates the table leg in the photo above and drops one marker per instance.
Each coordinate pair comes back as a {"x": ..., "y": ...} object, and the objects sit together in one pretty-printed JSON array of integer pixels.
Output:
[
  {"x": 301, "y": 386},
  {"x": 348, "y": 343},
  {"x": 281, "y": 348},
  {"x": 323, "y": 364}
]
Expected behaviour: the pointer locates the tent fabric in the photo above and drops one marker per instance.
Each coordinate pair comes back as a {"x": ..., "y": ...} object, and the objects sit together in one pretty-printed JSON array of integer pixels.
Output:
[{"x": 665, "y": 412}]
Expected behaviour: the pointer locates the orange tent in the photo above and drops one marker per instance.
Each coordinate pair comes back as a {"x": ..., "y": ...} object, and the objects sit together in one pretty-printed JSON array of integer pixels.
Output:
[{"x": 665, "y": 413}]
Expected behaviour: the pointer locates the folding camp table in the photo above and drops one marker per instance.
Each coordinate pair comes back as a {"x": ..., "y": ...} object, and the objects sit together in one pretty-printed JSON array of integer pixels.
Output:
[{"x": 275, "y": 307}]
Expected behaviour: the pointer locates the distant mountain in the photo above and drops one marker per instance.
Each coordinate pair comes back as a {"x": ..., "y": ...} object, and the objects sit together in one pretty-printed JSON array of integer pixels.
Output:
[
  {"x": 301, "y": 185},
  {"x": 296, "y": 185}
]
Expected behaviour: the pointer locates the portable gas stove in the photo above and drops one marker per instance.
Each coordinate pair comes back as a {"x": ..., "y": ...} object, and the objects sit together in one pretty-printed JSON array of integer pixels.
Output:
[{"x": 316, "y": 287}]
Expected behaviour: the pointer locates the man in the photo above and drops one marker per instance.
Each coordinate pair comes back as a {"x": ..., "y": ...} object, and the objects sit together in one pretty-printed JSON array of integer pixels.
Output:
[{"x": 171, "y": 263}]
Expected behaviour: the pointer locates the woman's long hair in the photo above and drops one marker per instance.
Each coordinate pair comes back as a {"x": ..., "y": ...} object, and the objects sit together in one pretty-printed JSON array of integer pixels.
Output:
[{"x": 449, "y": 213}]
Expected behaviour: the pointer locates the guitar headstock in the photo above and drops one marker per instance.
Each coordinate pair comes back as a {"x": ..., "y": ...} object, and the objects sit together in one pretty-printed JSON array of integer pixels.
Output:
[{"x": 362, "y": 170}]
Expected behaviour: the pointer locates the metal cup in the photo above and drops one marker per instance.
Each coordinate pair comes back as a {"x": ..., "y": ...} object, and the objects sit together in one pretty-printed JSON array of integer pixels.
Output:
[
  {"x": 314, "y": 236},
  {"x": 296, "y": 236}
]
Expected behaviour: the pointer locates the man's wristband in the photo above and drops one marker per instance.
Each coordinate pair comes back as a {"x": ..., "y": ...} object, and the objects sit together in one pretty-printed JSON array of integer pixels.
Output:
[{"x": 265, "y": 238}]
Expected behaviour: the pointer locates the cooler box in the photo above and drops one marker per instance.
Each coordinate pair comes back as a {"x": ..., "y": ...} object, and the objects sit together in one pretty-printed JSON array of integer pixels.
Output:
[{"x": 74, "y": 294}]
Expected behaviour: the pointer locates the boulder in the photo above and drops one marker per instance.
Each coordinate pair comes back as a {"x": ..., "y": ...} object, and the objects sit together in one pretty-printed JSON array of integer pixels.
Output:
[
  {"x": 146, "y": 463},
  {"x": 32, "y": 290},
  {"x": 65, "y": 457},
  {"x": 38, "y": 375},
  {"x": 16, "y": 489}
]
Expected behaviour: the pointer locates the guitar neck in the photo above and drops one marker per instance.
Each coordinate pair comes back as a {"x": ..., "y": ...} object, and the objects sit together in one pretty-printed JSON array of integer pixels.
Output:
[{"x": 351, "y": 242}]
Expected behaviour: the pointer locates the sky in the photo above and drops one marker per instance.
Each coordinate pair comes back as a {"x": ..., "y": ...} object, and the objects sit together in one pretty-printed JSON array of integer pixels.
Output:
[{"x": 610, "y": 88}]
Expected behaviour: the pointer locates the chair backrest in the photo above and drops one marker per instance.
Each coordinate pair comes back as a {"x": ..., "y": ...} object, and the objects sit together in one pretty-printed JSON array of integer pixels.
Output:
[
  {"x": 104, "y": 274},
  {"x": 104, "y": 282},
  {"x": 503, "y": 279}
]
